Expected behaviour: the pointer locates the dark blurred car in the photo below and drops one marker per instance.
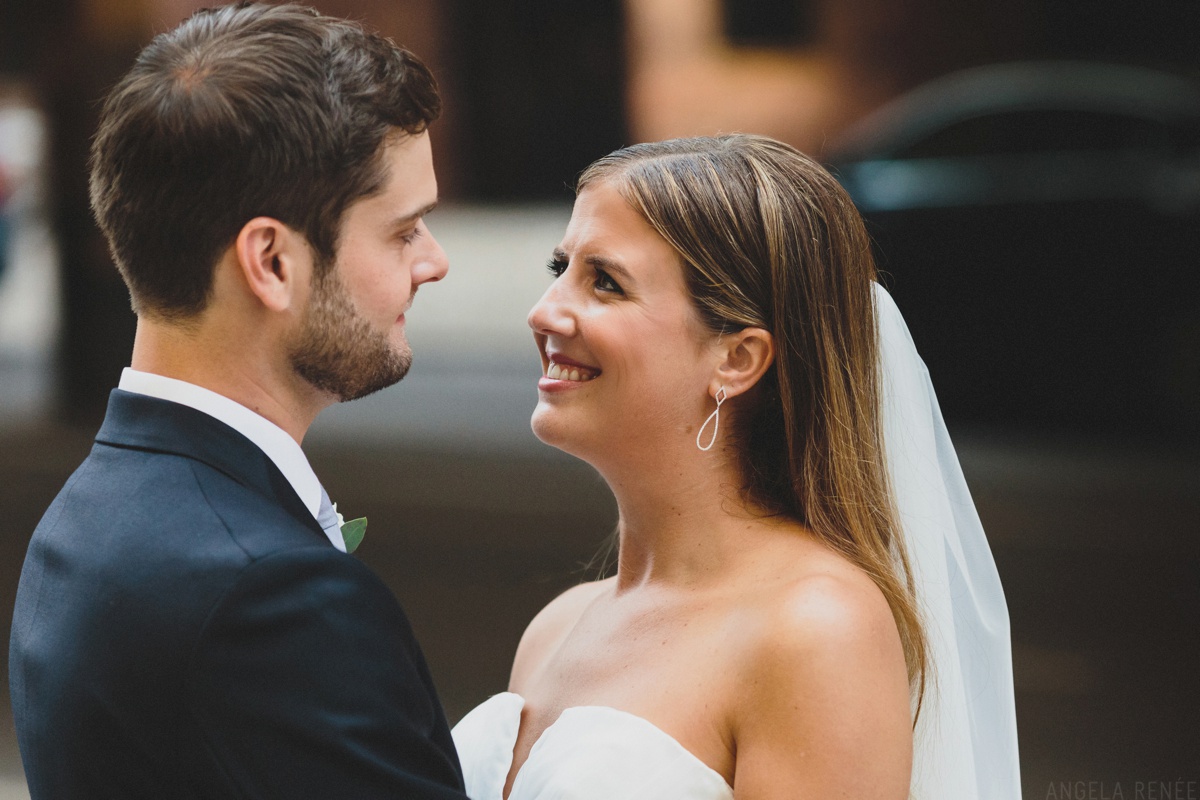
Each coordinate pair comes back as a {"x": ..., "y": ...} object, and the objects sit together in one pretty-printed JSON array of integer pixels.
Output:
[{"x": 1039, "y": 225}]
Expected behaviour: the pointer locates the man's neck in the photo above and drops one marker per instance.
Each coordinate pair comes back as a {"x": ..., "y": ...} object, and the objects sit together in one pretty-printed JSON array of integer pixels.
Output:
[{"x": 251, "y": 370}]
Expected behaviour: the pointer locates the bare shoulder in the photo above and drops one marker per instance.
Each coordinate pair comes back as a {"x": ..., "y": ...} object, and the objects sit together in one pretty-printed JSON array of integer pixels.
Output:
[
  {"x": 830, "y": 627},
  {"x": 551, "y": 625},
  {"x": 825, "y": 683},
  {"x": 827, "y": 609}
]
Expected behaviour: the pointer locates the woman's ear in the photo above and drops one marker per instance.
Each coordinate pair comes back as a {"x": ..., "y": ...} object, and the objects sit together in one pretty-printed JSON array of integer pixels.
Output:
[
  {"x": 746, "y": 356},
  {"x": 274, "y": 260}
]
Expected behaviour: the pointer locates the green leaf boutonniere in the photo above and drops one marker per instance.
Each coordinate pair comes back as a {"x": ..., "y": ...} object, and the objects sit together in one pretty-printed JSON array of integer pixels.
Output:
[{"x": 352, "y": 531}]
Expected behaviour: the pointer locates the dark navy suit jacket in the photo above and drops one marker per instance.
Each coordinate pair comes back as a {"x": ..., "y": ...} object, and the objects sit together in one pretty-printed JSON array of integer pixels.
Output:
[{"x": 183, "y": 629}]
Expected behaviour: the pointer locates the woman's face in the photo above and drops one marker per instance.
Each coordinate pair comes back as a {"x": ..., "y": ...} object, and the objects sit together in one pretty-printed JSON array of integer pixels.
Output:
[{"x": 626, "y": 361}]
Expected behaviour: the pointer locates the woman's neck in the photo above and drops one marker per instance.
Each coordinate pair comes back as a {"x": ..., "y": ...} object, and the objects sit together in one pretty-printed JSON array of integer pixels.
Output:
[{"x": 684, "y": 524}]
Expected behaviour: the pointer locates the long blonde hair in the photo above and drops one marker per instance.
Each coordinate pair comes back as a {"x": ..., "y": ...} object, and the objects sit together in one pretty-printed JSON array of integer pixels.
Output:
[{"x": 770, "y": 239}]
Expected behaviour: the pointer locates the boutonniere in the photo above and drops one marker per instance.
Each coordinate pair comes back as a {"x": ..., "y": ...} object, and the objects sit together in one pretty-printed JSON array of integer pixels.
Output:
[{"x": 352, "y": 531}]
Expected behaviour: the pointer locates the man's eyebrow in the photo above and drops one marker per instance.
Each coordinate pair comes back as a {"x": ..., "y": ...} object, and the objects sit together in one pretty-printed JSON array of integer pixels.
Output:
[{"x": 400, "y": 222}]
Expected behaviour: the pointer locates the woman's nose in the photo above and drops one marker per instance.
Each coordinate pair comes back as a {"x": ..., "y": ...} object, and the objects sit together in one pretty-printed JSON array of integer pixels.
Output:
[{"x": 553, "y": 314}]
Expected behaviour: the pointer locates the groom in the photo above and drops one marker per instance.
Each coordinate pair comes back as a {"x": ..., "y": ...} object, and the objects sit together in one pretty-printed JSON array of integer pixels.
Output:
[{"x": 188, "y": 624}]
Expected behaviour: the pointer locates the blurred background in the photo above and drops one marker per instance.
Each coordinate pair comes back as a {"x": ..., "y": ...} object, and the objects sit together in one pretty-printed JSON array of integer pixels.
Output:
[{"x": 1030, "y": 173}]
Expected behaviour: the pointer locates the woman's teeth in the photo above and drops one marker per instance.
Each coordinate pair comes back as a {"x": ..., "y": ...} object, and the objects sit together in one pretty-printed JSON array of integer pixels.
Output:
[{"x": 559, "y": 372}]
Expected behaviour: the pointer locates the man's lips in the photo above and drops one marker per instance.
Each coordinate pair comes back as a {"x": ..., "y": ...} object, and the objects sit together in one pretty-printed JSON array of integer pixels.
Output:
[
  {"x": 403, "y": 314},
  {"x": 408, "y": 307}
]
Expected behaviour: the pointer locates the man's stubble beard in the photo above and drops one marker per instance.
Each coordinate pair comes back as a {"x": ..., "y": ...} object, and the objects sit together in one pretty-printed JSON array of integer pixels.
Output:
[{"x": 337, "y": 351}]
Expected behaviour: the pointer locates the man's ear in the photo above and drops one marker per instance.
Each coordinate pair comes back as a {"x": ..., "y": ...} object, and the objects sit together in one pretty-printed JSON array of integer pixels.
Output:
[
  {"x": 746, "y": 356},
  {"x": 275, "y": 261}
]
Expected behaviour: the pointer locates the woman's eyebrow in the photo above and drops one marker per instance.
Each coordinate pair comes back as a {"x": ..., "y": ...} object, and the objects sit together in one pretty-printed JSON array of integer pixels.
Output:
[
  {"x": 608, "y": 265},
  {"x": 596, "y": 262}
]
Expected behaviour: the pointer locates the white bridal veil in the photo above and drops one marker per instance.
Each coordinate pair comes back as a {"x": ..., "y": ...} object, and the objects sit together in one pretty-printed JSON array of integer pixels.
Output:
[{"x": 965, "y": 744}]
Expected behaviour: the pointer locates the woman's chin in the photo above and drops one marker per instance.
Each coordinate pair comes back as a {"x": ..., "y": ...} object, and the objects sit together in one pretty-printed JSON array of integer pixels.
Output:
[
  {"x": 545, "y": 430},
  {"x": 555, "y": 432}
]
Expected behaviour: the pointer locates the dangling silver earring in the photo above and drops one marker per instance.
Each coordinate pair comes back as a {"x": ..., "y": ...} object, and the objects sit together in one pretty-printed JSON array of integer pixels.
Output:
[{"x": 715, "y": 419}]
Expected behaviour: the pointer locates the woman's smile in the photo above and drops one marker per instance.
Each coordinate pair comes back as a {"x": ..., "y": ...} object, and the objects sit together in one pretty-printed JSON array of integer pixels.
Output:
[{"x": 562, "y": 373}]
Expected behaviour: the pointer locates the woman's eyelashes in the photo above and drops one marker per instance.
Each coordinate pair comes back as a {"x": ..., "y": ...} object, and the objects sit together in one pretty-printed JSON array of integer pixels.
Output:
[
  {"x": 605, "y": 283},
  {"x": 602, "y": 280}
]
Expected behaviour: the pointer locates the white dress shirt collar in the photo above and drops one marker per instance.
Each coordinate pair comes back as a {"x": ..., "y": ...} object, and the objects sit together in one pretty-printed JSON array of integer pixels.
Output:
[{"x": 281, "y": 448}]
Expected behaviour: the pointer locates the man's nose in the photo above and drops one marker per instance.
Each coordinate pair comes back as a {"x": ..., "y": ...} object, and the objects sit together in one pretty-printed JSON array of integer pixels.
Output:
[{"x": 433, "y": 264}]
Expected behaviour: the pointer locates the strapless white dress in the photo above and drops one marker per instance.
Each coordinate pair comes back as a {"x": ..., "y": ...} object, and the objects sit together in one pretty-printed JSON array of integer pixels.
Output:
[{"x": 589, "y": 753}]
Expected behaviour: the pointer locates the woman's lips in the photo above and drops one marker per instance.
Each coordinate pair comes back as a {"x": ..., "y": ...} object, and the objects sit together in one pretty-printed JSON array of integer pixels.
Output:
[
  {"x": 566, "y": 373},
  {"x": 567, "y": 361}
]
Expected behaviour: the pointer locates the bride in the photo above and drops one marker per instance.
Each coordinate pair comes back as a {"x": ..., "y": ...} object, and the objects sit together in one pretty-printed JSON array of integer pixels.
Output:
[{"x": 804, "y": 603}]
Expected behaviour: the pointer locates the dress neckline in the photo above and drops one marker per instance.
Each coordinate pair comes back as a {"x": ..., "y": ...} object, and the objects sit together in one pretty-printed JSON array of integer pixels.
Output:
[{"x": 574, "y": 711}]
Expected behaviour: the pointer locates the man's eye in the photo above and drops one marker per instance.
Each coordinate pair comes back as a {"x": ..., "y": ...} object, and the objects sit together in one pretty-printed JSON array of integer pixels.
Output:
[
  {"x": 412, "y": 236},
  {"x": 556, "y": 266}
]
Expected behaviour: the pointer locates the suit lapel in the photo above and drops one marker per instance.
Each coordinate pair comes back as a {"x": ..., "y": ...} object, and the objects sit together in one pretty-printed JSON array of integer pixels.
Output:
[{"x": 147, "y": 423}]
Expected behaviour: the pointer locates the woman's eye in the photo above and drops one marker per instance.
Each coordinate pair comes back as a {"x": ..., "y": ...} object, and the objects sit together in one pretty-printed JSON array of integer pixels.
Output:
[
  {"x": 605, "y": 283},
  {"x": 556, "y": 266}
]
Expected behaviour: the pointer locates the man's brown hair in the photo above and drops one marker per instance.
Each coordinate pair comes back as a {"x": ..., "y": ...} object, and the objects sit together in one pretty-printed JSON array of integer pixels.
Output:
[{"x": 245, "y": 110}]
